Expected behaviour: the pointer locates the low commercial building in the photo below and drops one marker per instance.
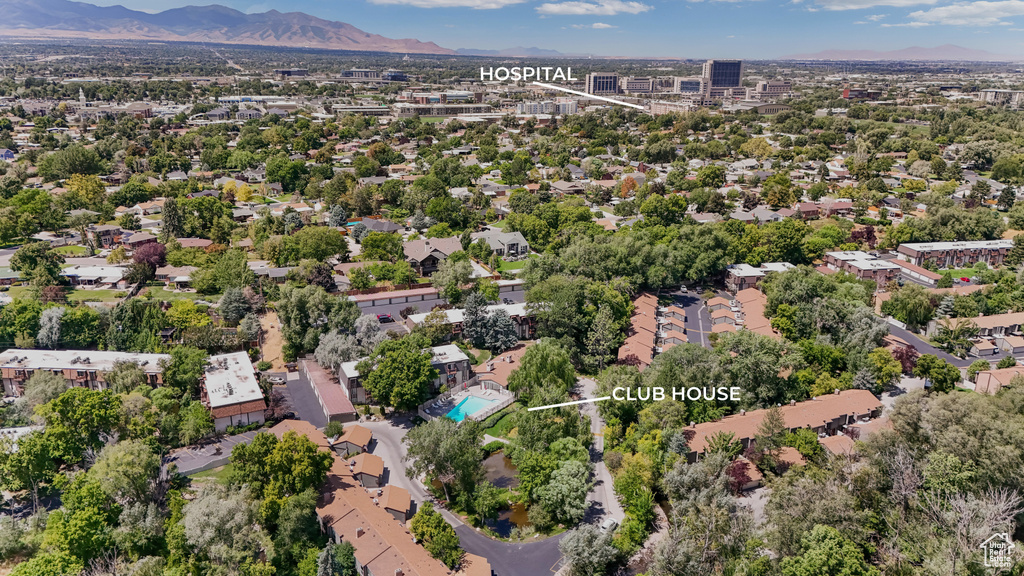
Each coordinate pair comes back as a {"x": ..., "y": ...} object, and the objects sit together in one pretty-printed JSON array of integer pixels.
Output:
[
  {"x": 825, "y": 415},
  {"x": 956, "y": 254},
  {"x": 231, "y": 392},
  {"x": 84, "y": 368}
]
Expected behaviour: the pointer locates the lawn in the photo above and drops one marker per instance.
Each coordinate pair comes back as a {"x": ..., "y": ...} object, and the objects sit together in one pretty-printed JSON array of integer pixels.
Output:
[
  {"x": 71, "y": 250},
  {"x": 500, "y": 224},
  {"x": 432, "y": 119},
  {"x": 481, "y": 356},
  {"x": 518, "y": 265},
  {"x": 162, "y": 294},
  {"x": 502, "y": 427},
  {"x": 219, "y": 474},
  {"x": 95, "y": 295}
]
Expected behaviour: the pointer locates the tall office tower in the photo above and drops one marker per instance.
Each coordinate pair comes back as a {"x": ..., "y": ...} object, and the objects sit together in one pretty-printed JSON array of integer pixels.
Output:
[
  {"x": 602, "y": 83},
  {"x": 723, "y": 73}
]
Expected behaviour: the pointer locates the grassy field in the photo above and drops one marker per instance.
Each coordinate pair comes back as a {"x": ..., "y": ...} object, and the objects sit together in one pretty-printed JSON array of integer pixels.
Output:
[
  {"x": 219, "y": 474},
  {"x": 518, "y": 265},
  {"x": 73, "y": 295},
  {"x": 432, "y": 119},
  {"x": 500, "y": 224},
  {"x": 72, "y": 250},
  {"x": 502, "y": 428},
  {"x": 162, "y": 294}
]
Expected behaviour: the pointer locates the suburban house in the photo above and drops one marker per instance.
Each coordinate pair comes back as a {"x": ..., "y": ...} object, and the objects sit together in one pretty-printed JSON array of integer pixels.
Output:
[
  {"x": 503, "y": 243},
  {"x": 176, "y": 277},
  {"x": 111, "y": 277},
  {"x": 377, "y": 225},
  {"x": 84, "y": 368},
  {"x": 992, "y": 326},
  {"x": 105, "y": 235},
  {"x": 136, "y": 240},
  {"x": 956, "y": 254},
  {"x": 452, "y": 365},
  {"x": 230, "y": 391},
  {"x": 825, "y": 415},
  {"x": 425, "y": 255}
]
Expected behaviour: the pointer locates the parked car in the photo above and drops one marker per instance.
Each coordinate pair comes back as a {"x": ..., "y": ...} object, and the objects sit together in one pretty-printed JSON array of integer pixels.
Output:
[
  {"x": 609, "y": 525},
  {"x": 384, "y": 318}
]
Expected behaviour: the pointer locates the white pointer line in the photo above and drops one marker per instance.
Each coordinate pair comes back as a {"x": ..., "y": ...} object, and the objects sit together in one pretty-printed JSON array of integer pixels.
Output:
[
  {"x": 569, "y": 403},
  {"x": 553, "y": 87}
]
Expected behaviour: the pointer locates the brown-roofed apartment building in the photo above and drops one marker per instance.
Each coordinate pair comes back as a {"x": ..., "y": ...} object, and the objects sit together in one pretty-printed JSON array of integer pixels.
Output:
[{"x": 827, "y": 415}]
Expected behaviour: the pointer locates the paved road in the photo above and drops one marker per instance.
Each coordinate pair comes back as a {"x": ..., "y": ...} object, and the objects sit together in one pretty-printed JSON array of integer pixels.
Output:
[
  {"x": 195, "y": 459},
  {"x": 602, "y": 499},
  {"x": 698, "y": 321},
  {"x": 299, "y": 393},
  {"x": 507, "y": 559},
  {"x": 926, "y": 348}
]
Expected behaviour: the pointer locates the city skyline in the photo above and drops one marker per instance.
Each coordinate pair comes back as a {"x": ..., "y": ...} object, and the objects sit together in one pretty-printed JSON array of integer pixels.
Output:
[{"x": 655, "y": 28}]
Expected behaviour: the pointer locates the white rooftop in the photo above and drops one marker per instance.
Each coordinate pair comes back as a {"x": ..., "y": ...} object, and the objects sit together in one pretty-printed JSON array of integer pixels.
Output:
[
  {"x": 99, "y": 360},
  {"x": 456, "y": 315},
  {"x": 967, "y": 245},
  {"x": 231, "y": 379},
  {"x": 874, "y": 264},
  {"x": 441, "y": 355},
  {"x": 849, "y": 255}
]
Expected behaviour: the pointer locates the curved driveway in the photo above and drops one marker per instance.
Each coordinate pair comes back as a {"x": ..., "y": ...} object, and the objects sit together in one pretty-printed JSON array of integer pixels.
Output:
[{"x": 535, "y": 558}]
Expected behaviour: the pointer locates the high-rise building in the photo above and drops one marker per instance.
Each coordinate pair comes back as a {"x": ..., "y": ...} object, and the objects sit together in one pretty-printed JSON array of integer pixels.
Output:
[
  {"x": 602, "y": 83},
  {"x": 723, "y": 73}
]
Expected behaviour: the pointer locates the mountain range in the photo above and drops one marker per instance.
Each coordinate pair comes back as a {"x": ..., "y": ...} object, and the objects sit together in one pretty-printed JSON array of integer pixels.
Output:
[
  {"x": 944, "y": 52},
  {"x": 216, "y": 24}
]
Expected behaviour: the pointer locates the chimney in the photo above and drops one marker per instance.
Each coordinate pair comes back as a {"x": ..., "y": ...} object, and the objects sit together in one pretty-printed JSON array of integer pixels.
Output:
[
  {"x": 359, "y": 532},
  {"x": 836, "y": 392},
  {"x": 399, "y": 572},
  {"x": 743, "y": 412},
  {"x": 792, "y": 402}
]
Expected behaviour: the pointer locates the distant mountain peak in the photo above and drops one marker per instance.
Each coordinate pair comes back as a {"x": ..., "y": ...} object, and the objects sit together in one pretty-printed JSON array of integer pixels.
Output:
[{"x": 212, "y": 23}]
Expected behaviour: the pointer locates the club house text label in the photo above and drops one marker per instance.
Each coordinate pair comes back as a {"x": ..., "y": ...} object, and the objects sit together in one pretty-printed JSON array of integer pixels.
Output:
[
  {"x": 690, "y": 393},
  {"x": 515, "y": 74}
]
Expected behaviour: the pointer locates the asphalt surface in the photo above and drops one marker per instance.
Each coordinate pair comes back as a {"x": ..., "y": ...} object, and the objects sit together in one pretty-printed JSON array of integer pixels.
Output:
[
  {"x": 299, "y": 393},
  {"x": 926, "y": 348},
  {"x": 698, "y": 320},
  {"x": 602, "y": 499},
  {"x": 506, "y": 558},
  {"x": 195, "y": 459}
]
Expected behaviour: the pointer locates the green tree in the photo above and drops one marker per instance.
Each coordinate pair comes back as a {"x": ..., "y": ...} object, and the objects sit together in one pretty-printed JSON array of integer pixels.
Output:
[
  {"x": 126, "y": 471},
  {"x": 825, "y": 552},
  {"x": 381, "y": 246},
  {"x": 544, "y": 365},
  {"x": 399, "y": 373},
  {"x": 184, "y": 370},
  {"x": 79, "y": 420},
  {"x": 565, "y": 496},
  {"x": 884, "y": 367},
  {"x": 942, "y": 375},
  {"x": 437, "y": 535},
  {"x": 588, "y": 551},
  {"x": 446, "y": 451},
  {"x": 450, "y": 278},
  {"x": 40, "y": 263}
]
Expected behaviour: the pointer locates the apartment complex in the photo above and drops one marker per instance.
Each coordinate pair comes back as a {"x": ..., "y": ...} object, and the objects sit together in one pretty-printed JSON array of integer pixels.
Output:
[
  {"x": 521, "y": 317},
  {"x": 863, "y": 265},
  {"x": 1011, "y": 98},
  {"x": 602, "y": 83},
  {"x": 452, "y": 365},
  {"x": 739, "y": 277},
  {"x": 230, "y": 391},
  {"x": 825, "y": 415},
  {"x": 652, "y": 330},
  {"x": 956, "y": 254},
  {"x": 84, "y": 368}
]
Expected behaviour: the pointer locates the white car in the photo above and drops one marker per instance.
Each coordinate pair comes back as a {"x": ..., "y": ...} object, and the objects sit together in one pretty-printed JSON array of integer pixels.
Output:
[{"x": 609, "y": 525}]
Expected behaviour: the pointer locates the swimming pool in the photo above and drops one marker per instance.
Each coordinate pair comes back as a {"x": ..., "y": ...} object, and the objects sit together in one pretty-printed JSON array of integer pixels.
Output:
[{"x": 468, "y": 407}]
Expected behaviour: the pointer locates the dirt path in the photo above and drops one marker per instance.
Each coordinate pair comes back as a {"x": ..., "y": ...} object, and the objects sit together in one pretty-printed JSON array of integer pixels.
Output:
[{"x": 272, "y": 341}]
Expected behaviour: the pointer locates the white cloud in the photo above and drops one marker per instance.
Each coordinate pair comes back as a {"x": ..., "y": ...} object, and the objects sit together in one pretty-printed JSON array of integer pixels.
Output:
[
  {"x": 594, "y": 26},
  {"x": 862, "y": 4},
  {"x": 876, "y": 17},
  {"x": 906, "y": 25},
  {"x": 981, "y": 13},
  {"x": 598, "y": 8},
  {"x": 475, "y": 4}
]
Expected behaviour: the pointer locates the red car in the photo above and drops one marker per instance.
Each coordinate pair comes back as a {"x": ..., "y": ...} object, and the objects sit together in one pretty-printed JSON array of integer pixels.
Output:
[{"x": 965, "y": 279}]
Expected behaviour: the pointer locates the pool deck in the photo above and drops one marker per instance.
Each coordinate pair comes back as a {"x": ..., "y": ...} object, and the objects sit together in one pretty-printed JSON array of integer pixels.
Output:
[{"x": 437, "y": 408}]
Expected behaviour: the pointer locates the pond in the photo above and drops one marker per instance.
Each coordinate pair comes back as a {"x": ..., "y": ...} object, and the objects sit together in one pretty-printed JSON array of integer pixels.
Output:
[{"x": 498, "y": 470}]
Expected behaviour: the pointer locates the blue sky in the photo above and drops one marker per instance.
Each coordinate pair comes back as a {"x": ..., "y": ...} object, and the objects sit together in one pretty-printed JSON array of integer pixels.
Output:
[{"x": 668, "y": 28}]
